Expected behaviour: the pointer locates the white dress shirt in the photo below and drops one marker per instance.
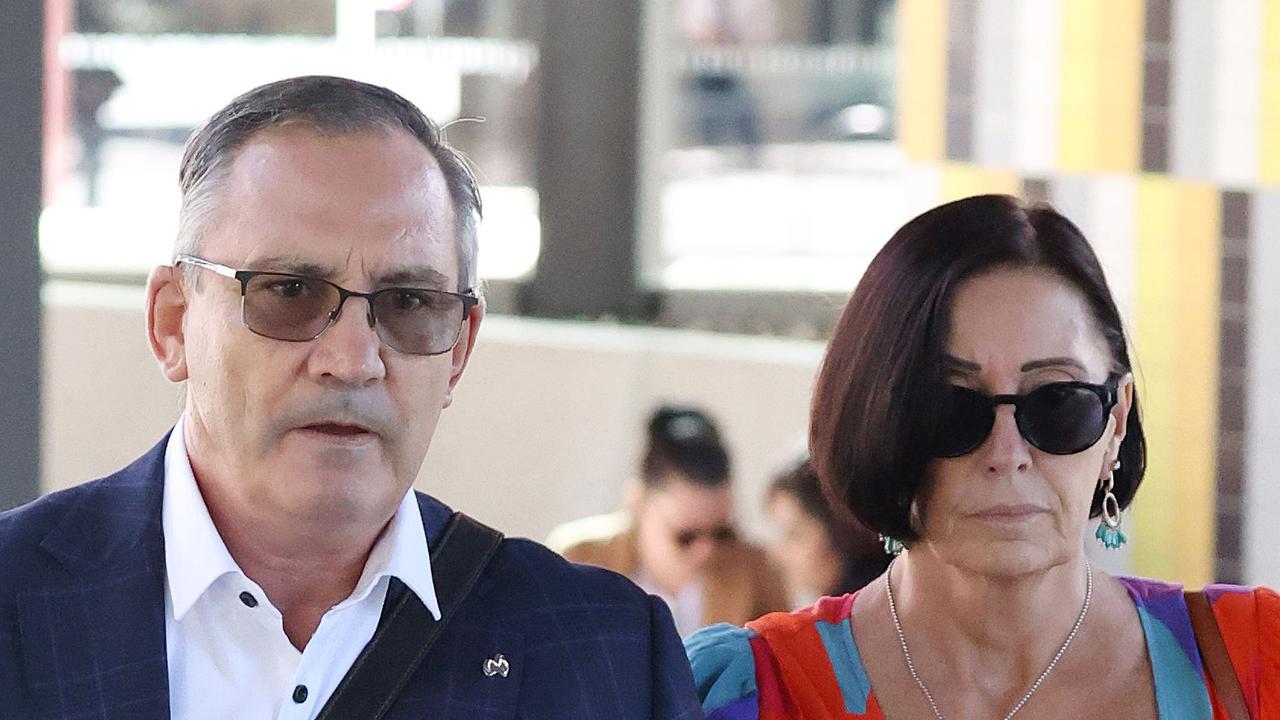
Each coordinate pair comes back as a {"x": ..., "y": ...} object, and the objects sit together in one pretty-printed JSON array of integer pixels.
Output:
[{"x": 228, "y": 653}]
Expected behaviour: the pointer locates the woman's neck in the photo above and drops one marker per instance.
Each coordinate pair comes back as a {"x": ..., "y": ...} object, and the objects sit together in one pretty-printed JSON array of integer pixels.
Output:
[{"x": 998, "y": 624}]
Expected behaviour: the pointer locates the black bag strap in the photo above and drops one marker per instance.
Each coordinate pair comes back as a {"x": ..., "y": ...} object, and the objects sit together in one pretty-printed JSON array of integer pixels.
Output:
[
  {"x": 408, "y": 630},
  {"x": 1213, "y": 651}
]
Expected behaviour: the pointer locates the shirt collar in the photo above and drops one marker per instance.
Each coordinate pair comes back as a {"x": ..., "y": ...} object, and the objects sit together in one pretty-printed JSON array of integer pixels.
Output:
[{"x": 195, "y": 555}]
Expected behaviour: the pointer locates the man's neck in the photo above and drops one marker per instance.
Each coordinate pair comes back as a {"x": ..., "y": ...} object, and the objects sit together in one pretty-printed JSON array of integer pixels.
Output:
[{"x": 304, "y": 568}]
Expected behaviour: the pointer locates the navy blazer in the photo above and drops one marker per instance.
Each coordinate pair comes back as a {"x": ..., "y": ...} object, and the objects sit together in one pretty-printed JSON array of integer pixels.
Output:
[{"x": 82, "y": 623}]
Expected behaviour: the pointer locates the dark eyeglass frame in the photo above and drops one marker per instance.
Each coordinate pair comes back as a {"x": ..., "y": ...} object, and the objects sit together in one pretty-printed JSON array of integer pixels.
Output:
[
  {"x": 1108, "y": 394},
  {"x": 685, "y": 539},
  {"x": 468, "y": 298}
]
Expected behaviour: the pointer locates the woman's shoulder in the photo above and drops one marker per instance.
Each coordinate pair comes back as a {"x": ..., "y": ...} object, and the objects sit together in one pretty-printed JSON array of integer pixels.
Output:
[
  {"x": 1248, "y": 619},
  {"x": 1234, "y": 605},
  {"x": 736, "y": 669},
  {"x": 724, "y": 671}
]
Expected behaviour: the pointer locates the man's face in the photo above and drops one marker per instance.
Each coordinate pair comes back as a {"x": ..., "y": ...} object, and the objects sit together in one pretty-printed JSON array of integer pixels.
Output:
[{"x": 336, "y": 428}]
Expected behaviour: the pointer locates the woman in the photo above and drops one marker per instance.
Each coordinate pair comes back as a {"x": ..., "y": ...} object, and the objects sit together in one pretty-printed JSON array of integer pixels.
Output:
[
  {"x": 977, "y": 406},
  {"x": 821, "y": 553},
  {"x": 676, "y": 539}
]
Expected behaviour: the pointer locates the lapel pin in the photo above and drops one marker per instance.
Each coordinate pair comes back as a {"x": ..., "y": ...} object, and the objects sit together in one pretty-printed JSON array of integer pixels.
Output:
[{"x": 496, "y": 665}]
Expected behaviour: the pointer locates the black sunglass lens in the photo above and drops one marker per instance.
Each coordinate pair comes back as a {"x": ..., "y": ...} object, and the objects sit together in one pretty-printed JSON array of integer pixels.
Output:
[
  {"x": 286, "y": 307},
  {"x": 1062, "y": 418},
  {"x": 964, "y": 422}
]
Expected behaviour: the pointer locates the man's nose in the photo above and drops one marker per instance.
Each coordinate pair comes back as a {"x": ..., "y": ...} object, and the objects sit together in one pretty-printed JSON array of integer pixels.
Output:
[{"x": 350, "y": 351}]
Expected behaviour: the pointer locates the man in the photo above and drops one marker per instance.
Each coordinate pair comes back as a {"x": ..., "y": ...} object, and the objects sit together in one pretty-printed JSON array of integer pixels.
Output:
[{"x": 321, "y": 310}]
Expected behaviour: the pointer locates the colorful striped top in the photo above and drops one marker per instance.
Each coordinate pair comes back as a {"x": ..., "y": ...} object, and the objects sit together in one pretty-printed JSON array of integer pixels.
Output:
[{"x": 804, "y": 665}]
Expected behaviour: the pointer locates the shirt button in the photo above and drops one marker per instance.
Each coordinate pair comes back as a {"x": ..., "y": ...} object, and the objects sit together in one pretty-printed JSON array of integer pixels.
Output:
[
  {"x": 300, "y": 694},
  {"x": 248, "y": 599}
]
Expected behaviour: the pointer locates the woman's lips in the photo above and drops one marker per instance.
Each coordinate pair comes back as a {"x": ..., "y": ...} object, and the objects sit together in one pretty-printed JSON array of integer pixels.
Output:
[{"x": 1009, "y": 513}]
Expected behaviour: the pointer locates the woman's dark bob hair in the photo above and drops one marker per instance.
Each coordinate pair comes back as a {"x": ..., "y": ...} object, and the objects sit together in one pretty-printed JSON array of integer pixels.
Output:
[{"x": 872, "y": 406}]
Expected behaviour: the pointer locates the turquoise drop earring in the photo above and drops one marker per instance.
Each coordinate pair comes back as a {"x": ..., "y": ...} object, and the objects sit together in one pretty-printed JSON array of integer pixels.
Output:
[
  {"x": 892, "y": 545},
  {"x": 1109, "y": 533}
]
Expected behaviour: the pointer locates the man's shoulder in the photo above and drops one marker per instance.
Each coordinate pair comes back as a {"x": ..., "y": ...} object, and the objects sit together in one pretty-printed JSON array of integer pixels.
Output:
[
  {"x": 24, "y": 529},
  {"x": 531, "y": 574},
  {"x": 531, "y": 563},
  {"x": 100, "y": 515}
]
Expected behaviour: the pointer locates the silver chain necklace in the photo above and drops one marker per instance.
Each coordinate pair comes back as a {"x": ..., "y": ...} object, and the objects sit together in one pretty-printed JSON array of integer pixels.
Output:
[{"x": 902, "y": 638}]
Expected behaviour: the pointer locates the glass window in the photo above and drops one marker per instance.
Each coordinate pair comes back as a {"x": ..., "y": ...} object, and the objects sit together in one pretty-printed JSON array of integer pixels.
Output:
[
  {"x": 140, "y": 75},
  {"x": 770, "y": 138}
]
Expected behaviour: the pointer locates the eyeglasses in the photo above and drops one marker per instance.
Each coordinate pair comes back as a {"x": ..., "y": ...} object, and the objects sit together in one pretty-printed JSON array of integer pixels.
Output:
[
  {"x": 1061, "y": 418},
  {"x": 298, "y": 308},
  {"x": 723, "y": 534}
]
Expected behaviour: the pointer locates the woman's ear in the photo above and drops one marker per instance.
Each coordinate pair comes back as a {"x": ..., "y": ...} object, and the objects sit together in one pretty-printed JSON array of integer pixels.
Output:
[
  {"x": 1120, "y": 412},
  {"x": 633, "y": 497},
  {"x": 166, "y": 309}
]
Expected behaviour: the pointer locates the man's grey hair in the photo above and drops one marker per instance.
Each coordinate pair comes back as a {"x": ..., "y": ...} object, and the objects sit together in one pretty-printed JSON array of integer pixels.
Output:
[{"x": 328, "y": 105}]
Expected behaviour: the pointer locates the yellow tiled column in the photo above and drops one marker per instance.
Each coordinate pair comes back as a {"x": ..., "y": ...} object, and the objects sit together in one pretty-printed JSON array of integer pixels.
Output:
[
  {"x": 1269, "y": 127},
  {"x": 961, "y": 180},
  {"x": 922, "y": 79},
  {"x": 1101, "y": 124},
  {"x": 1176, "y": 351}
]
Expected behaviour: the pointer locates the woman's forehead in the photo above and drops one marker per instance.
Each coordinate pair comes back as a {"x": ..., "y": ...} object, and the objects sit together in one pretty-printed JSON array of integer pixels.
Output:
[{"x": 1016, "y": 320}]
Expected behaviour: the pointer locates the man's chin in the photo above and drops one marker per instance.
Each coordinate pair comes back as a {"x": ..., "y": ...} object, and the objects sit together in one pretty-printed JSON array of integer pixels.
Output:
[{"x": 329, "y": 498}]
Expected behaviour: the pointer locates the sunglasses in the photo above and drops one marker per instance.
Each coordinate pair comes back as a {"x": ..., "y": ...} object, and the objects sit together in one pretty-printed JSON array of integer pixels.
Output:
[
  {"x": 1061, "y": 418},
  {"x": 686, "y": 538},
  {"x": 298, "y": 308}
]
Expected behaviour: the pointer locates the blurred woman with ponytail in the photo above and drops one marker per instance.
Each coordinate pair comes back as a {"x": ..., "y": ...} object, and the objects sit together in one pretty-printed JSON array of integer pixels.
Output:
[{"x": 676, "y": 538}]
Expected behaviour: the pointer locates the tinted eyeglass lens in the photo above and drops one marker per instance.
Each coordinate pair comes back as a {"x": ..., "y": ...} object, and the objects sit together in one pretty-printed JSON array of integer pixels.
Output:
[
  {"x": 964, "y": 423},
  {"x": 285, "y": 307},
  {"x": 420, "y": 322},
  {"x": 1062, "y": 419}
]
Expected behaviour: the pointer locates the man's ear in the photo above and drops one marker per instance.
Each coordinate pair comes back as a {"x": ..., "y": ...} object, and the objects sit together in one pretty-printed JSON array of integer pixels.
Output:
[
  {"x": 461, "y": 353},
  {"x": 166, "y": 309}
]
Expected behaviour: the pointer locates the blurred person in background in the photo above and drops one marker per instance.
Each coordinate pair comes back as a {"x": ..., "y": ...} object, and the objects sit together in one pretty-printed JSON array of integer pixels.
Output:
[
  {"x": 676, "y": 538},
  {"x": 726, "y": 110},
  {"x": 269, "y": 557},
  {"x": 977, "y": 407},
  {"x": 822, "y": 553}
]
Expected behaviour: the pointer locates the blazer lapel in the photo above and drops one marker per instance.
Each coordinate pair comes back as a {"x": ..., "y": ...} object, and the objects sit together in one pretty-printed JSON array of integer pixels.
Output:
[{"x": 93, "y": 640}]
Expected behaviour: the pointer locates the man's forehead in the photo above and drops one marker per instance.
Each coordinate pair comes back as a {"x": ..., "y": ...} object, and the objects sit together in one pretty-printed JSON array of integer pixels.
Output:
[
  {"x": 345, "y": 207},
  {"x": 291, "y": 146},
  {"x": 416, "y": 274}
]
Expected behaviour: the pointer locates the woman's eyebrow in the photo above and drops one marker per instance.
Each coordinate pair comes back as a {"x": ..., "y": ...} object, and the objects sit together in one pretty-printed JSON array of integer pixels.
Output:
[
  {"x": 954, "y": 363},
  {"x": 1054, "y": 362}
]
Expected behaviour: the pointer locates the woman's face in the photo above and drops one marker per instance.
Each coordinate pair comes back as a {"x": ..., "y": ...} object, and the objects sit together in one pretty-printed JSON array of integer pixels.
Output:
[
  {"x": 679, "y": 525},
  {"x": 803, "y": 548},
  {"x": 1009, "y": 508}
]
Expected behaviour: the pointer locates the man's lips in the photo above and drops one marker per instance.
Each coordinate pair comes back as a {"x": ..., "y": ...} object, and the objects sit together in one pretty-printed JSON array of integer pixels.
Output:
[{"x": 338, "y": 429}]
